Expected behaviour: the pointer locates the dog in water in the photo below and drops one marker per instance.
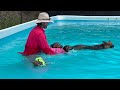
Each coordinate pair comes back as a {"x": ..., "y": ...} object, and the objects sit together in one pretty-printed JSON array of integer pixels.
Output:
[
  {"x": 104, "y": 45},
  {"x": 39, "y": 62}
]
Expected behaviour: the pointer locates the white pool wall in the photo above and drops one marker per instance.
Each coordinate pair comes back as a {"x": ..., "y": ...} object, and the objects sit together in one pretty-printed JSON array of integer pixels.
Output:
[
  {"x": 76, "y": 17},
  {"x": 17, "y": 28}
]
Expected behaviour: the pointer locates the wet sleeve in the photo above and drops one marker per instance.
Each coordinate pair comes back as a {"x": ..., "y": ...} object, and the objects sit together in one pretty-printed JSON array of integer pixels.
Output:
[{"x": 43, "y": 44}]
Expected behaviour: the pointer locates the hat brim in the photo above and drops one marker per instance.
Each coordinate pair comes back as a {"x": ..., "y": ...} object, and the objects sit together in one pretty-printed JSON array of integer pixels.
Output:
[{"x": 40, "y": 21}]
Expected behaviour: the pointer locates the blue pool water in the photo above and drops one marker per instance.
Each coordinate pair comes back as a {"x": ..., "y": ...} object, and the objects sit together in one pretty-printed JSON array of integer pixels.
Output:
[{"x": 83, "y": 64}]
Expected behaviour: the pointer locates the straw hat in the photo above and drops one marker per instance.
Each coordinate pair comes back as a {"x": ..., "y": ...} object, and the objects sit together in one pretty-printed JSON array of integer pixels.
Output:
[{"x": 43, "y": 17}]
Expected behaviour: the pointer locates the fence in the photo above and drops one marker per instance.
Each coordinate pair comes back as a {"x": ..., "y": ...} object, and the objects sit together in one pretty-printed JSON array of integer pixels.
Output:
[{"x": 11, "y": 18}]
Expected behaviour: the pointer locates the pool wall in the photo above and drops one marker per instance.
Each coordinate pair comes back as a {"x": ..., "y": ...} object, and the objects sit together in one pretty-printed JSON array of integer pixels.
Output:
[
  {"x": 76, "y": 17},
  {"x": 17, "y": 28},
  {"x": 14, "y": 29}
]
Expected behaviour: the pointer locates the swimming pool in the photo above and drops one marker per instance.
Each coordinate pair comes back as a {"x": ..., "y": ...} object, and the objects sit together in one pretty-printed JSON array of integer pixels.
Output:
[{"x": 83, "y": 64}]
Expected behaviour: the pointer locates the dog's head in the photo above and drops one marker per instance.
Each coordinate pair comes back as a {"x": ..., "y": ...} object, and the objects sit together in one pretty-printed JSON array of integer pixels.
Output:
[
  {"x": 56, "y": 45},
  {"x": 108, "y": 44},
  {"x": 37, "y": 63},
  {"x": 67, "y": 48}
]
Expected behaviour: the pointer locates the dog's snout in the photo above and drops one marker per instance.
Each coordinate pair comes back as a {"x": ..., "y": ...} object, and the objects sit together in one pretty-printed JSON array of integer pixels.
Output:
[{"x": 112, "y": 46}]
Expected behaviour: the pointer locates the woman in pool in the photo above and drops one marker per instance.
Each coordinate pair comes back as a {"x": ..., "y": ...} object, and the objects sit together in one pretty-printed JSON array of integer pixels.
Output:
[{"x": 37, "y": 41}]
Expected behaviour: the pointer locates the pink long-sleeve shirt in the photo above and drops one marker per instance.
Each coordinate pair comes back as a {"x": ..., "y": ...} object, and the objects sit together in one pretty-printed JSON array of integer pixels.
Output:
[{"x": 37, "y": 42}]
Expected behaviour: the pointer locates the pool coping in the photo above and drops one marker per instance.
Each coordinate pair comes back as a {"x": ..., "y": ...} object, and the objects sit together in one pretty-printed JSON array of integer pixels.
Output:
[
  {"x": 20, "y": 27},
  {"x": 77, "y": 17},
  {"x": 17, "y": 28}
]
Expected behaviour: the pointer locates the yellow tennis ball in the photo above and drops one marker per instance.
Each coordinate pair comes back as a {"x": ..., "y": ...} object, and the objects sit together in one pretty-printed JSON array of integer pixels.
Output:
[{"x": 40, "y": 60}]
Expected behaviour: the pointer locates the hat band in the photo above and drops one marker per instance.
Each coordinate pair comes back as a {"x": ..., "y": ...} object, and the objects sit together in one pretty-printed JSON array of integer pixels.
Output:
[{"x": 44, "y": 19}]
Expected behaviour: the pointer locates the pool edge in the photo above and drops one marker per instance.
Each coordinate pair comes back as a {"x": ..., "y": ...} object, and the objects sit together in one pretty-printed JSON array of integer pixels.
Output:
[{"x": 20, "y": 27}]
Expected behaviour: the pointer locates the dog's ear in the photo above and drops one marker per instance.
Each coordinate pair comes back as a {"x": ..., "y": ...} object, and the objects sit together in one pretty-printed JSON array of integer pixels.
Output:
[
  {"x": 103, "y": 41},
  {"x": 109, "y": 41},
  {"x": 51, "y": 45}
]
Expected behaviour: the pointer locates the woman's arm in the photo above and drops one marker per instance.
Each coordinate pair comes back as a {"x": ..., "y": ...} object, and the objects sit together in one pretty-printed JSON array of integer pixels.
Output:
[{"x": 43, "y": 44}]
